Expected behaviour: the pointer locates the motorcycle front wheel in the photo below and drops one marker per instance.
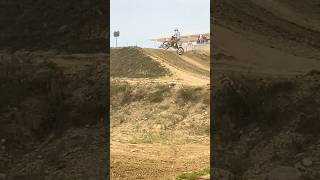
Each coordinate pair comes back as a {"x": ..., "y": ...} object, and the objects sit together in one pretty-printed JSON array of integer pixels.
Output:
[
  {"x": 166, "y": 45},
  {"x": 180, "y": 50}
]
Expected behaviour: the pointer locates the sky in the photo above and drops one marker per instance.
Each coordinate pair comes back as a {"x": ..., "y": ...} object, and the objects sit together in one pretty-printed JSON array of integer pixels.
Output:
[{"x": 140, "y": 20}]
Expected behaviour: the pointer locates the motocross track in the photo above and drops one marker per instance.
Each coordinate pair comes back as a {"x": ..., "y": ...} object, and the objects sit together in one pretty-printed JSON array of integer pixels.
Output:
[
  {"x": 168, "y": 135},
  {"x": 276, "y": 37},
  {"x": 184, "y": 69},
  {"x": 265, "y": 66}
]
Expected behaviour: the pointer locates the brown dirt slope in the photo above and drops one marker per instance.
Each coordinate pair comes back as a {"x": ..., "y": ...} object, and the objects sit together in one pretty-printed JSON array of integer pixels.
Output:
[
  {"x": 261, "y": 24},
  {"x": 51, "y": 116},
  {"x": 133, "y": 63},
  {"x": 154, "y": 125},
  {"x": 266, "y": 88}
]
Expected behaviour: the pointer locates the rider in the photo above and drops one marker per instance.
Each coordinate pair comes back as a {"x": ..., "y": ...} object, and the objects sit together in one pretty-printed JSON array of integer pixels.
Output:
[{"x": 175, "y": 38}]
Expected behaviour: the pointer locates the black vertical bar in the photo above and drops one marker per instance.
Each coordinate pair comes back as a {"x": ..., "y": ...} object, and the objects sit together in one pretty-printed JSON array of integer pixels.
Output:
[
  {"x": 107, "y": 118},
  {"x": 212, "y": 118}
]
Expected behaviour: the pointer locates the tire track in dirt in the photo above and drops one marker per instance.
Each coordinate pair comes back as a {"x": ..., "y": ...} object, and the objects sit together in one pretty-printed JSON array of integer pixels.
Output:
[
  {"x": 135, "y": 160},
  {"x": 162, "y": 162},
  {"x": 289, "y": 14},
  {"x": 184, "y": 69},
  {"x": 191, "y": 61},
  {"x": 252, "y": 56}
]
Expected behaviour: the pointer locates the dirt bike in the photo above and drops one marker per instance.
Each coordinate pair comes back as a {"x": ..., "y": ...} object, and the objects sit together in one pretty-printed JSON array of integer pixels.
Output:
[{"x": 167, "y": 44}]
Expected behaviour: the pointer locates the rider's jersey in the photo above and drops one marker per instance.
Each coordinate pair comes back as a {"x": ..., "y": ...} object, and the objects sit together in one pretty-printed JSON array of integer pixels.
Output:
[{"x": 177, "y": 35}]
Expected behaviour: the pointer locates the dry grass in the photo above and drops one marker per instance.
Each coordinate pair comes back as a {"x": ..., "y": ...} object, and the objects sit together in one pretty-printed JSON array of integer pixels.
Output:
[
  {"x": 193, "y": 175},
  {"x": 244, "y": 101},
  {"x": 122, "y": 93},
  {"x": 132, "y": 63},
  {"x": 168, "y": 108},
  {"x": 45, "y": 100},
  {"x": 189, "y": 94}
]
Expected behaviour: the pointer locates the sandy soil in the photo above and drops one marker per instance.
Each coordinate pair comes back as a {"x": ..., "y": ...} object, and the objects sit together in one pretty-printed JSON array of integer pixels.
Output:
[
  {"x": 156, "y": 161},
  {"x": 276, "y": 43},
  {"x": 188, "y": 71},
  {"x": 250, "y": 56},
  {"x": 170, "y": 154}
]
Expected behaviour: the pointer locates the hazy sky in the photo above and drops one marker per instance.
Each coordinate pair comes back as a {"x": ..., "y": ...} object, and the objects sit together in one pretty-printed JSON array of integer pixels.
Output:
[{"x": 139, "y": 20}]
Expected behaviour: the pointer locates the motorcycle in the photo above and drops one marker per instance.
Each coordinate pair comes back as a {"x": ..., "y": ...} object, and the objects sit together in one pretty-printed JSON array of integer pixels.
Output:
[{"x": 178, "y": 46}]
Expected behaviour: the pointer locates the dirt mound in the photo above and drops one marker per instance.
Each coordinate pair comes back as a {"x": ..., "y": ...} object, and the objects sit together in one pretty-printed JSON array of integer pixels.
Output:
[
  {"x": 175, "y": 101},
  {"x": 44, "y": 102},
  {"x": 133, "y": 63},
  {"x": 161, "y": 124},
  {"x": 275, "y": 118},
  {"x": 54, "y": 24}
]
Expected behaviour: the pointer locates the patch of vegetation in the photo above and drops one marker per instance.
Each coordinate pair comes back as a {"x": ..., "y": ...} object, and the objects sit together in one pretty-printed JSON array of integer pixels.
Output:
[
  {"x": 40, "y": 99},
  {"x": 206, "y": 98},
  {"x": 243, "y": 101},
  {"x": 148, "y": 138},
  {"x": 193, "y": 175},
  {"x": 120, "y": 93},
  {"x": 201, "y": 130},
  {"x": 123, "y": 93},
  {"x": 158, "y": 95},
  {"x": 22, "y": 79},
  {"x": 189, "y": 94},
  {"x": 131, "y": 62}
]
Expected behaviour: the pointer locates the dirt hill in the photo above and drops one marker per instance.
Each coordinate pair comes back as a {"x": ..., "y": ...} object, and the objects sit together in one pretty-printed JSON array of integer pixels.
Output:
[
  {"x": 159, "y": 124},
  {"x": 53, "y": 101},
  {"x": 133, "y": 63},
  {"x": 52, "y": 115},
  {"x": 265, "y": 88}
]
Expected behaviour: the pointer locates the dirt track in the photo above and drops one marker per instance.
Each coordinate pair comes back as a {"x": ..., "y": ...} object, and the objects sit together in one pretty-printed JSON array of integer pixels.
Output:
[
  {"x": 144, "y": 144},
  {"x": 183, "y": 68},
  {"x": 265, "y": 38},
  {"x": 260, "y": 44},
  {"x": 156, "y": 161},
  {"x": 245, "y": 55}
]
